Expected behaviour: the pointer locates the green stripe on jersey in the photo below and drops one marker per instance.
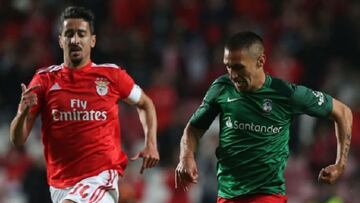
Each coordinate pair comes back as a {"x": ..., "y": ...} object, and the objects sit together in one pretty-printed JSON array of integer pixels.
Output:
[{"x": 254, "y": 131}]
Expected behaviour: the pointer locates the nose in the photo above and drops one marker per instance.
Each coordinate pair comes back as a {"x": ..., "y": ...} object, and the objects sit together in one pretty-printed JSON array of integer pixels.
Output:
[{"x": 75, "y": 39}]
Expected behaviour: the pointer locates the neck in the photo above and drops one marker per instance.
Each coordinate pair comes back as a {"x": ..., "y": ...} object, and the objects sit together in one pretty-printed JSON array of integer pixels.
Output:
[{"x": 259, "y": 81}]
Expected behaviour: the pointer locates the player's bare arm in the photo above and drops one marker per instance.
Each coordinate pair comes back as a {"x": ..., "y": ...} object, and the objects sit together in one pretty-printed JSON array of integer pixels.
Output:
[
  {"x": 342, "y": 116},
  {"x": 147, "y": 115},
  {"x": 186, "y": 170},
  {"x": 23, "y": 121}
]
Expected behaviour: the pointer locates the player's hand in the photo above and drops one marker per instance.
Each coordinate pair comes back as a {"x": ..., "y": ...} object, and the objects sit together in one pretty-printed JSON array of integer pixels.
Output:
[
  {"x": 186, "y": 173},
  {"x": 330, "y": 174},
  {"x": 150, "y": 157},
  {"x": 28, "y": 98}
]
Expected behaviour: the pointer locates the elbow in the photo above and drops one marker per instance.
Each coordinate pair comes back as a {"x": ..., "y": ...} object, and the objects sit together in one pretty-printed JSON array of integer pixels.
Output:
[
  {"x": 342, "y": 115},
  {"x": 16, "y": 141},
  {"x": 193, "y": 131},
  {"x": 145, "y": 103},
  {"x": 348, "y": 116},
  {"x": 345, "y": 117},
  {"x": 18, "y": 144},
  {"x": 18, "y": 132},
  {"x": 150, "y": 104}
]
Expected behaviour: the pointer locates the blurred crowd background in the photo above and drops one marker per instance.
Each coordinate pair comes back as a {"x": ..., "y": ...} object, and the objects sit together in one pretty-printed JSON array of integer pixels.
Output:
[{"x": 174, "y": 50}]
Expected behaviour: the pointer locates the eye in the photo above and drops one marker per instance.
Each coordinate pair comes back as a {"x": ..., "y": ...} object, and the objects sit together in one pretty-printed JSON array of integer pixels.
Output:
[
  {"x": 236, "y": 67},
  {"x": 81, "y": 33},
  {"x": 69, "y": 33}
]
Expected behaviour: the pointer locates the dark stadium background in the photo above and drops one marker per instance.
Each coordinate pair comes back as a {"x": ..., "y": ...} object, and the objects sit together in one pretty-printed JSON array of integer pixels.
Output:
[{"x": 173, "y": 49}]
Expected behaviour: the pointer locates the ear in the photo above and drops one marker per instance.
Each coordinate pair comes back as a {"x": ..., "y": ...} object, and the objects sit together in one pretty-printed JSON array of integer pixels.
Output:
[
  {"x": 261, "y": 61},
  {"x": 61, "y": 42},
  {"x": 93, "y": 41}
]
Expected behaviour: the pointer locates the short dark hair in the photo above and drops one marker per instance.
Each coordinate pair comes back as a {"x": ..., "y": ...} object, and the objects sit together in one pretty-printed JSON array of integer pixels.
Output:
[
  {"x": 242, "y": 40},
  {"x": 77, "y": 12}
]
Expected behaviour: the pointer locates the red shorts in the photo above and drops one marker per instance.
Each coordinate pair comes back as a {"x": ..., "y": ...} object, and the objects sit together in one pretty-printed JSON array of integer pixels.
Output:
[{"x": 259, "y": 198}]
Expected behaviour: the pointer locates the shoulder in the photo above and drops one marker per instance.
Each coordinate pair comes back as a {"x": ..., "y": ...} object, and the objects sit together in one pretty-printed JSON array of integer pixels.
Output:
[
  {"x": 110, "y": 69},
  {"x": 295, "y": 92},
  {"x": 43, "y": 75},
  {"x": 221, "y": 83},
  {"x": 108, "y": 66},
  {"x": 218, "y": 86},
  {"x": 222, "y": 80},
  {"x": 114, "y": 73},
  {"x": 49, "y": 69},
  {"x": 282, "y": 87}
]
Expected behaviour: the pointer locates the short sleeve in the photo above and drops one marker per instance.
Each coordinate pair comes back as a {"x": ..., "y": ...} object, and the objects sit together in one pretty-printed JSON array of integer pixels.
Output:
[
  {"x": 38, "y": 80},
  {"x": 313, "y": 103},
  {"x": 125, "y": 84},
  {"x": 208, "y": 110}
]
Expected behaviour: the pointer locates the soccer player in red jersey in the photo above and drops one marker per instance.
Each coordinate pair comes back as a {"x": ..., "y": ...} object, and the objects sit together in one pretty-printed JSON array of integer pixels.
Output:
[{"x": 78, "y": 104}]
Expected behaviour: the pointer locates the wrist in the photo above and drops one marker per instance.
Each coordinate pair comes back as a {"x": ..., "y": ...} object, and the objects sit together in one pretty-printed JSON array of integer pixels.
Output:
[
  {"x": 150, "y": 144},
  {"x": 187, "y": 156},
  {"x": 341, "y": 166},
  {"x": 22, "y": 110},
  {"x": 21, "y": 113}
]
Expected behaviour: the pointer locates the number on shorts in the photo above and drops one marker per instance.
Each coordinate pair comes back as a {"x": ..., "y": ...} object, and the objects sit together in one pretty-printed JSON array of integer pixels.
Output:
[{"x": 82, "y": 190}]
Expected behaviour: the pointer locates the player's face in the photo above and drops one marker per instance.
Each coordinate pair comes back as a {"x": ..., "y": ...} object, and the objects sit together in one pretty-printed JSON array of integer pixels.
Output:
[
  {"x": 243, "y": 68},
  {"x": 76, "y": 40}
]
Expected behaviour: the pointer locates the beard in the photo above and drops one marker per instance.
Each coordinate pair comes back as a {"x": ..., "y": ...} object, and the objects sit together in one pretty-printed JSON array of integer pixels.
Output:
[
  {"x": 76, "y": 61},
  {"x": 75, "y": 58}
]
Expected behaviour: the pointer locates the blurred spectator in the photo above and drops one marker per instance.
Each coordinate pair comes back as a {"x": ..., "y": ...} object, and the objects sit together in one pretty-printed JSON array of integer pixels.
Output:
[{"x": 35, "y": 185}]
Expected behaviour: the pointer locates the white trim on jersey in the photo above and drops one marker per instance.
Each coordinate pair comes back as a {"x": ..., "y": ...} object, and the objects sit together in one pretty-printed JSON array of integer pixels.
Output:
[
  {"x": 105, "y": 65},
  {"x": 51, "y": 68},
  {"x": 135, "y": 95}
]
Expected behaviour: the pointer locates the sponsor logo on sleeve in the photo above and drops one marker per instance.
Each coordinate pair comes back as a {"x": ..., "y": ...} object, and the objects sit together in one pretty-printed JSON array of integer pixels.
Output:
[{"x": 319, "y": 96}]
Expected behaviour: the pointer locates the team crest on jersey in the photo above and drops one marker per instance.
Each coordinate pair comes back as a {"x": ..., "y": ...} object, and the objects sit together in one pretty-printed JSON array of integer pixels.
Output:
[
  {"x": 102, "y": 86},
  {"x": 267, "y": 105}
]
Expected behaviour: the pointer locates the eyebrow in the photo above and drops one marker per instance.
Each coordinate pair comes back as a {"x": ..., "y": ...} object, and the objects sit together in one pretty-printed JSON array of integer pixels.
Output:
[
  {"x": 74, "y": 30},
  {"x": 235, "y": 65}
]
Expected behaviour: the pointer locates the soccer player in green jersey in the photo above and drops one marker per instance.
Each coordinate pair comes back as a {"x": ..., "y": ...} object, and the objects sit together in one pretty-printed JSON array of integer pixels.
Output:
[{"x": 255, "y": 111}]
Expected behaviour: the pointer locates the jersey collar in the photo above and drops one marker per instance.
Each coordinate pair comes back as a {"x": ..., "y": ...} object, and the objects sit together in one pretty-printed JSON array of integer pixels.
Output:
[
  {"x": 267, "y": 82},
  {"x": 81, "y": 69}
]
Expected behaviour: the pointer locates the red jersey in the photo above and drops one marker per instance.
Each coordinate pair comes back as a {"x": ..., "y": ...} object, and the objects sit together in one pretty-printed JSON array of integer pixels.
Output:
[{"x": 80, "y": 125}]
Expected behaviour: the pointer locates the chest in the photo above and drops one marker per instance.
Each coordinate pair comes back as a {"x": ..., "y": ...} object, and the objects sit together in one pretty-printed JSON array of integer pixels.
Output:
[
  {"x": 260, "y": 108},
  {"x": 80, "y": 92}
]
